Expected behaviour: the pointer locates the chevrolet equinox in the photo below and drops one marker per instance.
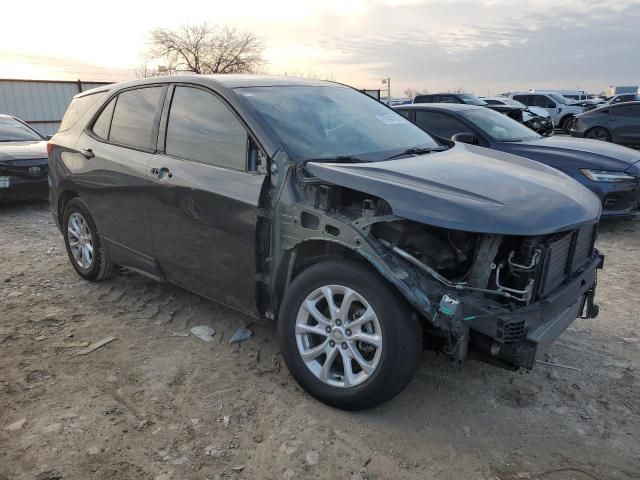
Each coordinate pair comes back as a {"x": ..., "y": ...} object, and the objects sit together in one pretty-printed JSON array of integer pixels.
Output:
[{"x": 314, "y": 205}]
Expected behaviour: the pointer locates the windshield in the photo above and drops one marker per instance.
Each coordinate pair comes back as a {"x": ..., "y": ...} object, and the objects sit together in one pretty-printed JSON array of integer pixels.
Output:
[
  {"x": 558, "y": 98},
  {"x": 318, "y": 122},
  {"x": 498, "y": 126},
  {"x": 12, "y": 130},
  {"x": 472, "y": 99},
  {"x": 512, "y": 102}
]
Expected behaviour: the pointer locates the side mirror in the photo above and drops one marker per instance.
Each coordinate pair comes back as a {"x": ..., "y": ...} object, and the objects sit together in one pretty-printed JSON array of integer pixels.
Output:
[{"x": 464, "y": 138}]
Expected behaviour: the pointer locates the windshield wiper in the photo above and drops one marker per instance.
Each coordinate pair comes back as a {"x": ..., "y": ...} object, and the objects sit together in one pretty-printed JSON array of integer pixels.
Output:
[
  {"x": 338, "y": 159},
  {"x": 416, "y": 151}
]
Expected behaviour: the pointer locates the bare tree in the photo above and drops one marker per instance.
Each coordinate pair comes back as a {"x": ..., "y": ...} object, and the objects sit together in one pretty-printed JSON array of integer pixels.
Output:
[
  {"x": 206, "y": 48},
  {"x": 146, "y": 71}
]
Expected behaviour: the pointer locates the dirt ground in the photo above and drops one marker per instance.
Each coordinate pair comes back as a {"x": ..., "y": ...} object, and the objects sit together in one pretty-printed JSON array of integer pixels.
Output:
[{"x": 155, "y": 405}]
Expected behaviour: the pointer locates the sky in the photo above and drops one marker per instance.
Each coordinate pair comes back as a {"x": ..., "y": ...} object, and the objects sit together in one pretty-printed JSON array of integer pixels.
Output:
[{"x": 483, "y": 46}]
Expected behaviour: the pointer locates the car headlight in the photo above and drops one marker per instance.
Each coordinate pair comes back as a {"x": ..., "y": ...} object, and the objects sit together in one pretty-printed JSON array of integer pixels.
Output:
[{"x": 606, "y": 176}]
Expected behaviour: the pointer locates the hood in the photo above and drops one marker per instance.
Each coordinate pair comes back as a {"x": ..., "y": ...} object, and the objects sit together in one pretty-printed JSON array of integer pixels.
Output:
[
  {"x": 539, "y": 111},
  {"x": 473, "y": 189},
  {"x": 593, "y": 153},
  {"x": 23, "y": 150}
]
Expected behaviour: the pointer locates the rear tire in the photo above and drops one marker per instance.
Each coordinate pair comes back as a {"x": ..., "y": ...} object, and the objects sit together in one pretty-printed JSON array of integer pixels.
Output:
[
  {"x": 84, "y": 244},
  {"x": 598, "y": 133},
  {"x": 566, "y": 124},
  {"x": 373, "y": 343}
]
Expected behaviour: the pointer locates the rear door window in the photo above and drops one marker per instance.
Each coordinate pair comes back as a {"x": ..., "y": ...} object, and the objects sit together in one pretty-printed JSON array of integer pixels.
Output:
[
  {"x": 628, "y": 111},
  {"x": 423, "y": 99},
  {"x": 540, "y": 101},
  {"x": 441, "y": 124},
  {"x": 448, "y": 99},
  {"x": 135, "y": 117},
  {"x": 522, "y": 99},
  {"x": 202, "y": 128}
]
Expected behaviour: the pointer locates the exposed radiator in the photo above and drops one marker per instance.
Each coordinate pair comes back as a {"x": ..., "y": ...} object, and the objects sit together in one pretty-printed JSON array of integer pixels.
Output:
[{"x": 565, "y": 255}]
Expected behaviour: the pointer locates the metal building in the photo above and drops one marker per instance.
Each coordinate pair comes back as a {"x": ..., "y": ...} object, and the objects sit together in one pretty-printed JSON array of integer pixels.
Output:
[{"x": 40, "y": 103}]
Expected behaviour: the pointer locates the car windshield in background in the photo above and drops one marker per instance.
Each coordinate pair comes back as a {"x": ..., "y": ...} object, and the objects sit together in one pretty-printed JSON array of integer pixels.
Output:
[
  {"x": 558, "y": 98},
  {"x": 472, "y": 100},
  {"x": 498, "y": 126},
  {"x": 512, "y": 103},
  {"x": 318, "y": 122},
  {"x": 13, "y": 131}
]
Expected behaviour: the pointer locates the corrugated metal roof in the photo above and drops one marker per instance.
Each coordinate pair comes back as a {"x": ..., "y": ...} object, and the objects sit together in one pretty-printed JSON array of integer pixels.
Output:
[{"x": 40, "y": 103}]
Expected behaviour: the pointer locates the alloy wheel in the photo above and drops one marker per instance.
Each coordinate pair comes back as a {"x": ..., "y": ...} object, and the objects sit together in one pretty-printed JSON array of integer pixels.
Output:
[
  {"x": 599, "y": 134},
  {"x": 80, "y": 240},
  {"x": 338, "y": 336}
]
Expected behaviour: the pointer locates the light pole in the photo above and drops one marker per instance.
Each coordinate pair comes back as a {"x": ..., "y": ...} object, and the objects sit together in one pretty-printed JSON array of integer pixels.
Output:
[{"x": 387, "y": 82}]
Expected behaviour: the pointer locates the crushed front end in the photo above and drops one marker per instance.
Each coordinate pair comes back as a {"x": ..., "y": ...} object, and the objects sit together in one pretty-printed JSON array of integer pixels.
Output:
[{"x": 504, "y": 297}]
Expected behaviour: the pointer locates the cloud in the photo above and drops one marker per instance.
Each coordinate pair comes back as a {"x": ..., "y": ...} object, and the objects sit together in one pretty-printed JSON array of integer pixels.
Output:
[{"x": 501, "y": 46}]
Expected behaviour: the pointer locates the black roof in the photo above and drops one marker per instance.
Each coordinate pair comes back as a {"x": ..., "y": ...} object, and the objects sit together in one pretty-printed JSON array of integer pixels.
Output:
[
  {"x": 443, "y": 93},
  {"x": 219, "y": 80},
  {"x": 456, "y": 107}
]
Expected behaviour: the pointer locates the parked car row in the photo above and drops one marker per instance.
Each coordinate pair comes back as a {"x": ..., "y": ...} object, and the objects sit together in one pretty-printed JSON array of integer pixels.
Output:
[
  {"x": 541, "y": 111},
  {"x": 536, "y": 119}
]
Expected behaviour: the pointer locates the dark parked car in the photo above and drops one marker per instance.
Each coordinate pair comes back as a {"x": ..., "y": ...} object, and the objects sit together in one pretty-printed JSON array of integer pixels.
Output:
[
  {"x": 23, "y": 161},
  {"x": 520, "y": 113},
  {"x": 536, "y": 118},
  {"x": 622, "y": 97},
  {"x": 614, "y": 123},
  {"x": 466, "y": 98},
  {"x": 313, "y": 204},
  {"x": 610, "y": 171}
]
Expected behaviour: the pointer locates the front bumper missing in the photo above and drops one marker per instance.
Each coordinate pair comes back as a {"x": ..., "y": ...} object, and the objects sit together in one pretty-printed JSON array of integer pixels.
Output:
[{"x": 513, "y": 339}]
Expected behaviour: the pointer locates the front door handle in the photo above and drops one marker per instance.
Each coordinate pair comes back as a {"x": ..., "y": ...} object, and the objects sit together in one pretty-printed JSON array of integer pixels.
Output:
[{"x": 87, "y": 153}]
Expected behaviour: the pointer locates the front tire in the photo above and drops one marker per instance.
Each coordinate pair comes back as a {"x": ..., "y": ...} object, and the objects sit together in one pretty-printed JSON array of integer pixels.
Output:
[
  {"x": 84, "y": 244},
  {"x": 567, "y": 123},
  {"x": 347, "y": 336}
]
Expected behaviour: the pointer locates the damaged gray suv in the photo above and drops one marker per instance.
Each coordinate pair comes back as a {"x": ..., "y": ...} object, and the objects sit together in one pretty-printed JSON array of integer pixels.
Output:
[{"x": 315, "y": 205}]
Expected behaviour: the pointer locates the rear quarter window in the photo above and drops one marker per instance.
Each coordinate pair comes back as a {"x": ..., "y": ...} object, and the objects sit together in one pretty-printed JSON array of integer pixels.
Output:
[{"x": 77, "y": 108}]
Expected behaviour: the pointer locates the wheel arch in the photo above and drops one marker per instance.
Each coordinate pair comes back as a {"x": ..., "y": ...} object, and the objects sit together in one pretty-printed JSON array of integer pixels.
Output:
[
  {"x": 591, "y": 129},
  {"x": 64, "y": 198},
  {"x": 564, "y": 118},
  {"x": 314, "y": 250}
]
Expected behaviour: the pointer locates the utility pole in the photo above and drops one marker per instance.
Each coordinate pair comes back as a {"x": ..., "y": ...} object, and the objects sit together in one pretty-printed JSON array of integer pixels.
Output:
[{"x": 387, "y": 82}]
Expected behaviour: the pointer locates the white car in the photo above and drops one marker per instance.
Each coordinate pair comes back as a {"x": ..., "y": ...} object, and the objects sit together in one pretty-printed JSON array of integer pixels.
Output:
[
  {"x": 539, "y": 111},
  {"x": 572, "y": 96},
  {"x": 558, "y": 106}
]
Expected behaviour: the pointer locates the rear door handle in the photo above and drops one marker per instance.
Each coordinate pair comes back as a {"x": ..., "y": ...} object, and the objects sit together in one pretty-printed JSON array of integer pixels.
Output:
[{"x": 87, "y": 153}]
